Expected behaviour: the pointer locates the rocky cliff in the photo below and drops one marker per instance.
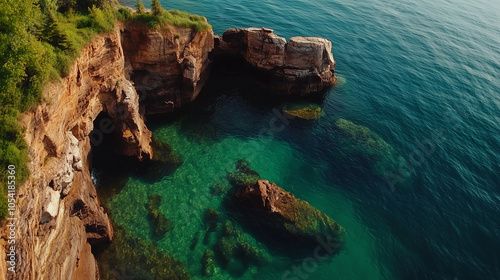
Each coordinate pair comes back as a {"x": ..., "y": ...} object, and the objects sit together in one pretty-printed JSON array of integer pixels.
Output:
[
  {"x": 302, "y": 66},
  {"x": 60, "y": 220},
  {"x": 169, "y": 67}
]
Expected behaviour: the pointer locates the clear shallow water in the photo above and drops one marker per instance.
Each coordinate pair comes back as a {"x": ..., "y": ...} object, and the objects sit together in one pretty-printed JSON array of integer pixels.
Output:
[{"x": 412, "y": 70}]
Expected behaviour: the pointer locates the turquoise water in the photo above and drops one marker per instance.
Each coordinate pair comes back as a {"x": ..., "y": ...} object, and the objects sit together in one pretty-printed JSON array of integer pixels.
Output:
[{"x": 413, "y": 72}]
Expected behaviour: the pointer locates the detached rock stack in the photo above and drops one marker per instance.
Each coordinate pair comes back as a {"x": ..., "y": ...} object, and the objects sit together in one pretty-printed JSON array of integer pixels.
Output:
[{"x": 303, "y": 66}]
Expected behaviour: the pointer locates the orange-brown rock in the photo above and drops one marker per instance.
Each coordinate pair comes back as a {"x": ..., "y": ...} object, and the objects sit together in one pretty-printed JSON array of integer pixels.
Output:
[
  {"x": 59, "y": 215},
  {"x": 304, "y": 65},
  {"x": 288, "y": 220},
  {"x": 168, "y": 66}
]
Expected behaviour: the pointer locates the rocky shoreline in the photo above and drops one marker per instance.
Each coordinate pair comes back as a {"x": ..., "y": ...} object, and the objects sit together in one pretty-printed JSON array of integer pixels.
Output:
[{"x": 127, "y": 74}]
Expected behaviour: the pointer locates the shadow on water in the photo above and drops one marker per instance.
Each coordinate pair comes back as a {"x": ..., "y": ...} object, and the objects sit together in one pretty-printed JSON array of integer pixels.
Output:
[
  {"x": 230, "y": 104},
  {"x": 111, "y": 170}
]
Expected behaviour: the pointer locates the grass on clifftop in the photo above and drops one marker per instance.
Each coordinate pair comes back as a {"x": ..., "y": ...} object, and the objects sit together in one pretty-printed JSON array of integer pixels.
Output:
[{"x": 173, "y": 17}]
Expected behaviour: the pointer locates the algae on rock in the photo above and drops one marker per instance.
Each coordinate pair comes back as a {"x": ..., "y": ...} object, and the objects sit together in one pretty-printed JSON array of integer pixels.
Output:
[
  {"x": 287, "y": 220},
  {"x": 208, "y": 263},
  {"x": 161, "y": 224},
  {"x": 306, "y": 112},
  {"x": 243, "y": 175},
  {"x": 233, "y": 247}
]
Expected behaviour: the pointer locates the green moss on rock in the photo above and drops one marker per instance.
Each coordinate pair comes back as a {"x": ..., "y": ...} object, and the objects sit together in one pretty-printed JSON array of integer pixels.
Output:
[
  {"x": 243, "y": 175},
  {"x": 286, "y": 218},
  {"x": 306, "y": 113}
]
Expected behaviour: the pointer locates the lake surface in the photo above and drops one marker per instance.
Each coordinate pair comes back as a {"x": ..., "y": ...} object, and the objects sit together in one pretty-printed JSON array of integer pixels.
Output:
[{"x": 424, "y": 76}]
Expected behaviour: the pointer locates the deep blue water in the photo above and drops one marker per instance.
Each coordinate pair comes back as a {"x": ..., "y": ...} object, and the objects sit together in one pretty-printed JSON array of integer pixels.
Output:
[{"x": 411, "y": 70}]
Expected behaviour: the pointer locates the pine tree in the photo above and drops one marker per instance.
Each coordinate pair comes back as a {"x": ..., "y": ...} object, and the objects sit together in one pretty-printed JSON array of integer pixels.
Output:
[
  {"x": 156, "y": 8},
  {"x": 140, "y": 7},
  {"x": 53, "y": 33}
]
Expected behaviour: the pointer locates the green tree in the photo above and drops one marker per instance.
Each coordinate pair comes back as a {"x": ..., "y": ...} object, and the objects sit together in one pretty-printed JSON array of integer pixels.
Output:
[
  {"x": 66, "y": 5},
  {"x": 156, "y": 8},
  {"x": 53, "y": 34},
  {"x": 140, "y": 7}
]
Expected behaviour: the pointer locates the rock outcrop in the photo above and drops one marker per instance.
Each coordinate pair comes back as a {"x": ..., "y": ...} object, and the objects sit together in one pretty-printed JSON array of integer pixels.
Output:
[
  {"x": 60, "y": 220},
  {"x": 168, "y": 67},
  {"x": 59, "y": 214},
  {"x": 285, "y": 218},
  {"x": 304, "y": 65}
]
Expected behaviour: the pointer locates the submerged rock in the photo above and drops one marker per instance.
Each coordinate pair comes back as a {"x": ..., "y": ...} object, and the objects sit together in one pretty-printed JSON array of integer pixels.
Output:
[
  {"x": 305, "y": 112},
  {"x": 243, "y": 175},
  {"x": 234, "y": 249},
  {"x": 208, "y": 263},
  {"x": 139, "y": 259},
  {"x": 285, "y": 218},
  {"x": 161, "y": 224},
  {"x": 195, "y": 240},
  {"x": 164, "y": 162},
  {"x": 219, "y": 188},
  {"x": 361, "y": 141},
  {"x": 210, "y": 219}
]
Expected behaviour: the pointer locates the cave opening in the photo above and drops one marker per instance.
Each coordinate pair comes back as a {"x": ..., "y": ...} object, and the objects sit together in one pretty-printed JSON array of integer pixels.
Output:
[{"x": 108, "y": 168}]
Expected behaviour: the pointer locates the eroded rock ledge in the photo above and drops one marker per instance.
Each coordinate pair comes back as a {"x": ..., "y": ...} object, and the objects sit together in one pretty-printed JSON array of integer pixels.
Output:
[{"x": 304, "y": 65}]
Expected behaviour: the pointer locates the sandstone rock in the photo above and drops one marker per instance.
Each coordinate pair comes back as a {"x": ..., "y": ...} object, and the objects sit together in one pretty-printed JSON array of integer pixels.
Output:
[
  {"x": 169, "y": 67},
  {"x": 285, "y": 218},
  {"x": 50, "y": 207},
  {"x": 121, "y": 102},
  {"x": 57, "y": 134},
  {"x": 265, "y": 50},
  {"x": 305, "y": 65}
]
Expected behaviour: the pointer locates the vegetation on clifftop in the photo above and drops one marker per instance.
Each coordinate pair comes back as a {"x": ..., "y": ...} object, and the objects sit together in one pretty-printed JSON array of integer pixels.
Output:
[
  {"x": 159, "y": 17},
  {"x": 39, "y": 41}
]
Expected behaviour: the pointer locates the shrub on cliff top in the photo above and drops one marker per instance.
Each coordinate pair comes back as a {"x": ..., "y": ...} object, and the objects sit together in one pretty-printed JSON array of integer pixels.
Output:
[
  {"x": 156, "y": 8},
  {"x": 140, "y": 7}
]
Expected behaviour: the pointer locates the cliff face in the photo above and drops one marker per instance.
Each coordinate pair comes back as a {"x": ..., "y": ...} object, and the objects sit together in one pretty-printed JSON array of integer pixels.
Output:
[
  {"x": 168, "y": 67},
  {"x": 59, "y": 214},
  {"x": 60, "y": 220},
  {"x": 304, "y": 65}
]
